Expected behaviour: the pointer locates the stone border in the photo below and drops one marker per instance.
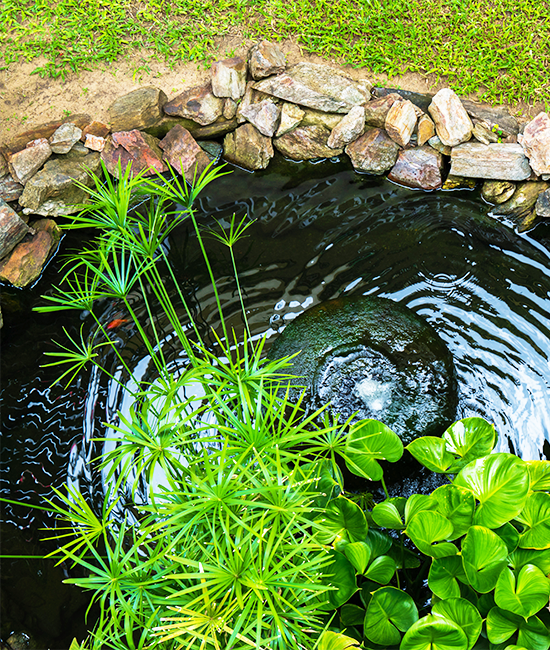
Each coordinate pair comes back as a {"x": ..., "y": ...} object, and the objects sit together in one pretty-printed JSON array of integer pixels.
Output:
[{"x": 309, "y": 111}]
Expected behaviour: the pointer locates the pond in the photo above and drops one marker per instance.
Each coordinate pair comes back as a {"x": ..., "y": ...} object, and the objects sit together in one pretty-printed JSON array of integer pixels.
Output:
[{"x": 321, "y": 231}]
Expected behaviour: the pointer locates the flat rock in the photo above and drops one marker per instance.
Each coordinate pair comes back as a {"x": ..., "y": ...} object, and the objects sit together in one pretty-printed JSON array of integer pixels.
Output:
[
  {"x": 229, "y": 77},
  {"x": 78, "y": 150},
  {"x": 12, "y": 229},
  {"x": 25, "y": 262},
  {"x": 220, "y": 127},
  {"x": 265, "y": 59},
  {"x": 377, "y": 110},
  {"x": 316, "y": 86},
  {"x": 425, "y": 129},
  {"x": 374, "y": 152},
  {"x": 65, "y": 137},
  {"x": 542, "y": 206},
  {"x": 81, "y": 120},
  {"x": 248, "y": 148},
  {"x": 535, "y": 140},
  {"x": 452, "y": 123},
  {"x": 198, "y": 104},
  {"x": 95, "y": 128},
  {"x": 497, "y": 191},
  {"x": 52, "y": 191},
  {"x": 25, "y": 163},
  {"x": 523, "y": 200},
  {"x": 348, "y": 129},
  {"x": 264, "y": 116},
  {"x": 306, "y": 143},
  {"x": 400, "y": 122},
  {"x": 138, "y": 109},
  {"x": 494, "y": 116},
  {"x": 418, "y": 168},
  {"x": 319, "y": 118},
  {"x": 183, "y": 153},
  {"x": 492, "y": 161},
  {"x": 421, "y": 100},
  {"x": 436, "y": 144},
  {"x": 458, "y": 183},
  {"x": 10, "y": 190},
  {"x": 94, "y": 142},
  {"x": 139, "y": 149},
  {"x": 291, "y": 117}
]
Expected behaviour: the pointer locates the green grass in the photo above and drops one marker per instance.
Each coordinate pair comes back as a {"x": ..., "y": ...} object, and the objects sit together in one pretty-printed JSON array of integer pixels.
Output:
[{"x": 499, "y": 49}]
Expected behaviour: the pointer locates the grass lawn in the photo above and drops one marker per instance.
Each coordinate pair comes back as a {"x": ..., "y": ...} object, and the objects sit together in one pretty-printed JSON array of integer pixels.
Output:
[{"x": 499, "y": 49}]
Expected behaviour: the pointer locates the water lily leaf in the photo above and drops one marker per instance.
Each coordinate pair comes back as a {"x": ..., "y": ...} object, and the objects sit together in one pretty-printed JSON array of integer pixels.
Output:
[
  {"x": 340, "y": 573},
  {"x": 390, "y": 611},
  {"x": 539, "y": 473},
  {"x": 509, "y": 535},
  {"x": 500, "y": 483},
  {"x": 388, "y": 515},
  {"x": 484, "y": 557},
  {"x": 343, "y": 520},
  {"x": 381, "y": 570},
  {"x": 535, "y": 518},
  {"x": 351, "y": 615},
  {"x": 429, "y": 527},
  {"x": 522, "y": 556},
  {"x": 418, "y": 503},
  {"x": 358, "y": 553},
  {"x": 444, "y": 575},
  {"x": 532, "y": 633},
  {"x": 464, "y": 614},
  {"x": 525, "y": 595},
  {"x": 431, "y": 452},
  {"x": 470, "y": 438},
  {"x": 368, "y": 442},
  {"x": 457, "y": 504},
  {"x": 434, "y": 632},
  {"x": 335, "y": 641}
]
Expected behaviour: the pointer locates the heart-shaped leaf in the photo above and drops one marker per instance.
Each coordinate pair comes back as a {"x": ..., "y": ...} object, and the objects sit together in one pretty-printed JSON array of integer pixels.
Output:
[
  {"x": 343, "y": 520},
  {"x": 351, "y": 615},
  {"x": 379, "y": 543},
  {"x": 532, "y": 633},
  {"x": 334, "y": 641},
  {"x": 525, "y": 595},
  {"x": 484, "y": 557},
  {"x": 535, "y": 518},
  {"x": 428, "y": 527},
  {"x": 381, "y": 570},
  {"x": 444, "y": 575},
  {"x": 539, "y": 473},
  {"x": 434, "y": 632},
  {"x": 340, "y": 573},
  {"x": 388, "y": 513},
  {"x": 358, "y": 553},
  {"x": 403, "y": 557},
  {"x": 500, "y": 483},
  {"x": 469, "y": 439},
  {"x": 368, "y": 442},
  {"x": 390, "y": 611},
  {"x": 431, "y": 452},
  {"x": 418, "y": 503},
  {"x": 456, "y": 504},
  {"x": 464, "y": 614},
  {"x": 522, "y": 556},
  {"x": 509, "y": 535}
]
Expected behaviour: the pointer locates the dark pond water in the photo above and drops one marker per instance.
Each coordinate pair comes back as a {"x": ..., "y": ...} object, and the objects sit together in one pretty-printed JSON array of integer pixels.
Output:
[{"x": 321, "y": 231}]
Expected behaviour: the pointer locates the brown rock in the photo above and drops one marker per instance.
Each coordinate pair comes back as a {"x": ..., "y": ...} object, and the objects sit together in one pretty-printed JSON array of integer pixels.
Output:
[
  {"x": 291, "y": 116},
  {"x": 374, "y": 152},
  {"x": 97, "y": 129},
  {"x": 458, "y": 183},
  {"x": 523, "y": 200},
  {"x": 10, "y": 190},
  {"x": 436, "y": 144},
  {"x": 377, "y": 109},
  {"x": 248, "y": 148},
  {"x": 483, "y": 134},
  {"x": 25, "y": 262},
  {"x": 536, "y": 143},
  {"x": 183, "y": 153},
  {"x": 81, "y": 120},
  {"x": 12, "y": 229},
  {"x": 426, "y": 129},
  {"x": 4, "y": 171},
  {"x": 94, "y": 142},
  {"x": 265, "y": 59},
  {"x": 452, "y": 123},
  {"x": 229, "y": 78},
  {"x": 497, "y": 117},
  {"x": 220, "y": 127},
  {"x": 497, "y": 191},
  {"x": 418, "y": 168},
  {"x": 139, "y": 109},
  {"x": 264, "y": 116},
  {"x": 319, "y": 118},
  {"x": 140, "y": 150},
  {"x": 64, "y": 138},
  {"x": 400, "y": 122},
  {"x": 348, "y": 129},
  {"x": 198, "y": 104},
  {"x": 306, "y": 143},
  {"x": 25, "y": 163},
  {"x": 229, "y": 108},
  {"x": 492, "y": 161}
]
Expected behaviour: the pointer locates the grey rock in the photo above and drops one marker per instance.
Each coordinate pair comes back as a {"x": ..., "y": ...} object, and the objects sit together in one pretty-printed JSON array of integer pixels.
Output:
[
  {"x": 523, "y": 200},
  {"x": 291, "y": 117},
  {"x": 377, "y": 109},
  {"x": 482, "y": 134},
  {"x": 493, "y": 161},
  {"x": 4, "y": 170},
  {"x": 319, "y": 118},
  {"x": 348, "y": 129},
  {"x": 436, "y": 144},
  {"x": 139, "y": 109},
  {"x": 10, "y": 190},
  {"x": 78, "y": 150},
  {"x": 400, "y": 122},
  {"x": 198, "y": 104},
  {"x": 306, "y": 143},
  {"x": 264, "y": 116},
  {"x": 536, "y": 143},
  {"x": 374, "y": 152},
  {"x": 426, "y": 129},
  {"x": 65, "y": 137},
  {"x": 229, "y": 108},
  {"x": 418, "y": 168},
  {"x": 316, "y": 86},
  {"x": 265, "y": 59},
  {"x": 250, "y": 97},
  {"x": 214, "y": 150},
  {"x": 494, "y": 116},
  {"x": 220, "y": 127},
  {"x": 248, "y": 148},
  {"x": 24, "y": 164},
  {"x": 452, "y": 123},
  {"x": 229, "y": 78},
  {"x": 497, "y": 191},
  {"x": 12, "y": 229},
  {"x": 542, "y": 206},
  {"x": 183, "y": 153}
]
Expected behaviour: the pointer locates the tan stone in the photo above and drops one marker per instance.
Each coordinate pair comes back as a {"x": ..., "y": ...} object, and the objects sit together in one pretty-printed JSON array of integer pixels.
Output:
[
  {"x": 494, "y": 161},
  {"x": 426, "y": 129},
  {"x": 497, "y": 191},
  {"x": 198, "y": 104},
  {"x": 183, "y": 153},
  {"x": 264, "y": 116},
  {"x": 65, "y": 137},
  {"x": 377, "y": 109},
  {"x": 291, "y": 117},
  {"x": 248, "y": 148},
  {"x": 319, "y": 118},
  {"x": 374, "y": 152},
  {"x": 95, "y": 128},
  {"x": 452, "y": 123},
  {"x": 24, "y": 164},
  {"x": 12, "y": 229},
  {"x": 400, "y": 122},
  {"x": 348, "y": 129},
  {"x": 94, "y": 142},
  {"x": 230, "y": 107},
  {"x": 536, "y": 143},
  {"x": 138, "y": 109},
  {"x": 229, "y": 77},
  {"x": 265, "y": 59},
  {"x": 306, "y": 143}
]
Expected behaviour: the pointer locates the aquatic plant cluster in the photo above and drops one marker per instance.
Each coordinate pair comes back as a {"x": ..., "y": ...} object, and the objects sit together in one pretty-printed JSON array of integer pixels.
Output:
[{"x": 250, "y": 537}]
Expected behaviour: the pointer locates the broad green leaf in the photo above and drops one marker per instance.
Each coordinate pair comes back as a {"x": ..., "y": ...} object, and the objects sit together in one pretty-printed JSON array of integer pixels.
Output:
[
  {"x": 351, "y": 615},
  {"x": 484, "y": 557},
  {"x": 444, "y": 575},
  {"x": 509, "y": 535},
  {"x": 367, "y": 589},
  {"x": 340, "y": 573},
  {"x": 428, "y": 527},
  {"x": 328, "y": 479},
  {"x": 516, "y": 647},
  {"x": 381, "y": 570},
  {"x": 469, "y": 439},
  {"x": 343, "y": 520},
  {"x": 525, "y": 595},
  {"x": 358, "y": 553},
  {"x": 484, "y": 603},
  {"x": 434, "y": 632},
  {"x": 522, "y": 556},
  {"x": 418, "y": 503},
  {"x": 535, "y": 518},
  {"x": 368, "y": 442},
  {"x": 500, "y": 483},
  {"x": 431, "y": 452},
  {"x": 457, "y": 504},
  {"x": 334, "y": 641},
  {"x": 532, "y": 633},
  {"x": 390, "y": 611},
  {"x": 387, "y": 514},
  {"x": 539, "y": 473},
  {"x": 464, "y": 614},
  {"x": 403, "y": 557},
  {"x": 379, "y": 542}
]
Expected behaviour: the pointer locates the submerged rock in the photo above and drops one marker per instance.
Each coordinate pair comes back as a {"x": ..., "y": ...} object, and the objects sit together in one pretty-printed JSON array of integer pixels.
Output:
[
  {"x": 306, "y": 143},
  {"x": 497, "y": 191},
  {"x": 375, "y": 357},
  {"x": 522, "y": 201},
  {"x": 418, "y": 168}
]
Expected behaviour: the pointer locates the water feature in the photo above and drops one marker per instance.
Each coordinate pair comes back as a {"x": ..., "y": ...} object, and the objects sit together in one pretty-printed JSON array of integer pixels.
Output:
[{"x": 322, "y": 231}]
